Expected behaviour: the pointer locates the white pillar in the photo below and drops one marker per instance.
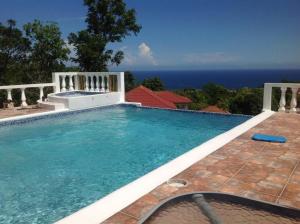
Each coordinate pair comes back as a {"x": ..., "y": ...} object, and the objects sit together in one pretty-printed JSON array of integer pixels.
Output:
[
  {"x": 63, "y": 83},
  {"x": 121, "y": 86},
  {"x": 71, "y": 86},
  {"x": 76, "y": 82},
  {"x": 86, "y": 83},
  {"x": 267, "y": 104},
  {"x": 102, "y": 84},
  {"x": 92, "y": 83},
  {"x": 97, "y": 84},
  {"x": 282, "y": 100},
  {"x": 41, "y": 93},
  {"x": 294, "y": 100},
  {"x": 107, "y": 84},
  {"x": 23, "y": 98},
  {"x": 55, "y": 79},
  {"x": 9, "y": 98}
]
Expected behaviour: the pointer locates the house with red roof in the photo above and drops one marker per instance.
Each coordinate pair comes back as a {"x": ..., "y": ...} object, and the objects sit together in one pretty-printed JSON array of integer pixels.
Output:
[{"x": 161, "y": 99}]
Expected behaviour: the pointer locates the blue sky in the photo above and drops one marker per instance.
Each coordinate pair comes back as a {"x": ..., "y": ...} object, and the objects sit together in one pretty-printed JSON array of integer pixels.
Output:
[{"x": 189, "y": 34}]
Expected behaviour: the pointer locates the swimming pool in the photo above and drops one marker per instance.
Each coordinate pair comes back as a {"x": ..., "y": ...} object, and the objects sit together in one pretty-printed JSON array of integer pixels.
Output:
[{"x": 51, "y": 167}]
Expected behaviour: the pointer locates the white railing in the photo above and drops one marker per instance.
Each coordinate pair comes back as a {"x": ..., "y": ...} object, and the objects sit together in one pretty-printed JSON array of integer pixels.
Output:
[
  {"x": 41, "y": 86},
  {"x": 104, "y": 82},
  {"x": 294, "y": 87},
  {"x": 93, "y": 81}
]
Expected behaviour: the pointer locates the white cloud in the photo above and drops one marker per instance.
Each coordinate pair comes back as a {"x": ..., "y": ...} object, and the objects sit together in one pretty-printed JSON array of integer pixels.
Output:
[
  {"x": 209, "y": 58},
  {"x": 146, "y": 53},
  {"x": 140, "y": 56}
]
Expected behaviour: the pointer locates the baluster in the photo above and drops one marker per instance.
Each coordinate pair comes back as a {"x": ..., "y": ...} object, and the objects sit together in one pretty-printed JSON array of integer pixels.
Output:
[
  {"x": 282, "y": 100},
  {"x": 63, "y": 83},
  {"x": 107, "y": 84},
  {"x": 294, "y": 100},
  {"x": 41, "y": 93},
  {"x": 86, "y": 83},
  {"x": 23, "y": 98},
  {"x": 92, "y": 83},
  {"x": 97, "y": 84},
  {"x": 9, "y": 98},
  {"x": 71, "y": 86},
  {"x": 102, "y": 84}
]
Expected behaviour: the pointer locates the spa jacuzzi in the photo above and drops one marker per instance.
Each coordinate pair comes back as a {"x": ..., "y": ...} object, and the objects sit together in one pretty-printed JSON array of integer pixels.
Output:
[{"x": 75, "y": 100}]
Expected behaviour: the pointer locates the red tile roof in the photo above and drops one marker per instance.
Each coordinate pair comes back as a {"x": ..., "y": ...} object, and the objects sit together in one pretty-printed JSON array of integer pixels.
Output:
[
  {"x": 215, "y": 109},
  {"x": 172, "y": 97},
  {"x": 147, "y": 97}
]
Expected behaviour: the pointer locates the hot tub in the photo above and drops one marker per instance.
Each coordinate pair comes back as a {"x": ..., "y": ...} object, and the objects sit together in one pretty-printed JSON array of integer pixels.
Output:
[{"x": 75, "y": 100}]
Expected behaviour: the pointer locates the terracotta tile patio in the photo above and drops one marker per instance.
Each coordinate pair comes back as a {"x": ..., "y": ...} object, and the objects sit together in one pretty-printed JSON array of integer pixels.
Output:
[
  {"x": 259, "y": 170},
  {"x": 5, "y": 113}
]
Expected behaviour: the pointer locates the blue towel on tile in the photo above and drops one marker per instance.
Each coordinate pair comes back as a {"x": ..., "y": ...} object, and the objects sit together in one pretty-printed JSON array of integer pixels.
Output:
[{"x": 269, "y": 138}]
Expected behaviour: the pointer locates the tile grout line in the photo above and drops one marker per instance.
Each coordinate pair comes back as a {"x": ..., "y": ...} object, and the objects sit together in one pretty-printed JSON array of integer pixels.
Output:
[
  {"x": 241, "y": 167},
  {"x": 129, "y": 215},
  {"x": 287, "y": 182}
]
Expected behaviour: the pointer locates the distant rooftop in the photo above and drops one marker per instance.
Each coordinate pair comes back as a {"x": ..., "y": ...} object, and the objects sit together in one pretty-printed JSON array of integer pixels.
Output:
[
  {"x": 161, "y": 99},
  {"x": 214, "y": 109}
]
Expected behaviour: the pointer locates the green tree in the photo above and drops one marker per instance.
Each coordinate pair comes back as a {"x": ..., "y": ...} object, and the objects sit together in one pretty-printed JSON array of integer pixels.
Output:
[
  {"x": 154, "y": 84},
  {"x": 13, "y": 53},
  {"x": 108, "y": 21},
  {"x": 218, "y": 95},
  {"x": 130, "y": 81},
  {"x": 199, "y": 99},
  {"x": 48, "y": 51},
  {"x": 247, "y": 101}
]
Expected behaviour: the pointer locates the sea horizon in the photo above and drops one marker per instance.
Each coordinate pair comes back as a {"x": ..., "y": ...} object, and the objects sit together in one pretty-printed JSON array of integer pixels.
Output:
[{"x": 230, "y": 78}]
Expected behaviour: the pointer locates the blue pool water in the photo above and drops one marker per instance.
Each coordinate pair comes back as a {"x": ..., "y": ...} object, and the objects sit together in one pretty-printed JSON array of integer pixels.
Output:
[
  {"x": 76, "y": 93},
  {"x": 52, "y": 167}
]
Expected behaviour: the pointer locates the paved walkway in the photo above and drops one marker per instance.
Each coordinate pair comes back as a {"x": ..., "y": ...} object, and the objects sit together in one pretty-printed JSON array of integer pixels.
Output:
[
  {"x": 257, "y": 170},
  {"x": 5, "y": 113}
]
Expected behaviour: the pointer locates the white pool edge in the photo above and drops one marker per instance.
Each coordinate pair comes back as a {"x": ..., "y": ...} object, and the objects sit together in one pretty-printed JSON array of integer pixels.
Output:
[{"x": 114, "y": 202}]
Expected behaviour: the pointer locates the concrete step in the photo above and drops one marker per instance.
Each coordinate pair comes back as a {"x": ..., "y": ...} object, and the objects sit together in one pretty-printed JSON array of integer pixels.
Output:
[{"x": 51, "y": 105}]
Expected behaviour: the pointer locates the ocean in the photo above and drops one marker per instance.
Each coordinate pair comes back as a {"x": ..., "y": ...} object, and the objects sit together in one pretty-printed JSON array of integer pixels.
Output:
[{"x": 229, "y": 78}]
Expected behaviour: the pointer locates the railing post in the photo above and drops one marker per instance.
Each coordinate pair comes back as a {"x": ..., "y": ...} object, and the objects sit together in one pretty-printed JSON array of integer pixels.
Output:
[
  {"x": 23, "y": 98},
  {"x": 294, "y": 100},
  {"x": 267, "y": 104},
  {"x": 107, "y": 84},
  {"x": 71, "y": 86},
  {"x": 282, "y": 99},
  {"x": 102, "y": 84},
  {"x": 41, "y": 93},
  {"x": 121, "y": 86},
  {"x": 97, "y": 83},
  {"x": 63, "y": 83},
  {"x": 9, "y": 98},
  {"x": 55, "y": 80},
  {"x": 86, "y": 83},
  {"x": 76, "y": 82},
  {"x": 92, "y": 83}
]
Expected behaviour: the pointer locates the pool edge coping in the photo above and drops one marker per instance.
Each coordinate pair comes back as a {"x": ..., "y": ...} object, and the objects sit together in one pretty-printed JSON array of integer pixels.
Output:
[{"x": 119, "y": 199}]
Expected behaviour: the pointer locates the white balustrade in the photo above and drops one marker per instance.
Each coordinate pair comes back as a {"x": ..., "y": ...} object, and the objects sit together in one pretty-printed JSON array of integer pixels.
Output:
[
  {"x": 294, "y": 100},
  {"x": 63, "y": 83},
  {"x": 71, "y": 86},
  {"x": 86, "y": 83},
  {"x": 23, "y": 92},
  {"x": 282, "y": 101},
  {"x": 93, "y": 81},
  {"x": 97, "y": 84},
  {"x": 107, "y": 84},
  {"x": 9, "y": 98},
  {"x": 102, "y": 84},
  {"x": 284, "y": 87}
]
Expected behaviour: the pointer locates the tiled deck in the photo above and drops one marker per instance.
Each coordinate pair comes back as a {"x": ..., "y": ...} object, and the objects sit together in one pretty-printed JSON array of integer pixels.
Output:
[
  {"x": 5, "y": 113},
  {"x": 265, "y": 171}
]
